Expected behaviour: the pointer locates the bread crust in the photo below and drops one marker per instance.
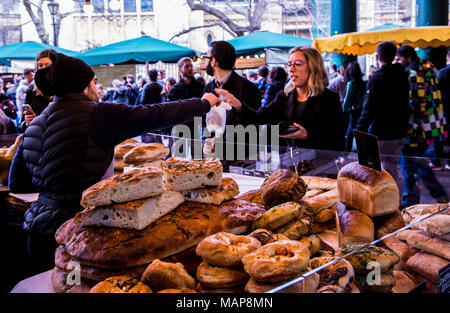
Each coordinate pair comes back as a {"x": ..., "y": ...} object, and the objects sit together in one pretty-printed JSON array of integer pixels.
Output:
[
  {"x": 322, "y": 183},
  {"x": 59, "y": 282},
  {"x": 120, "y": 284},
  {"x": 353, "y": 226},
  {"x": 161, "y": 275},
  {"x": 252, "y": 196},
  {"x": 177, "y": 231},
  {"x": 146, "y": 153},
  {"x": 282, "y": 186},
  {"x": 227, "y": 190},
  {"x": 212, "y": 276}
]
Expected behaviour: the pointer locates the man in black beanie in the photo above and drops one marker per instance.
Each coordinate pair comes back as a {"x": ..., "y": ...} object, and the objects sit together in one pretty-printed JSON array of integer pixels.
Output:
[{"x": 70, "y": 146}]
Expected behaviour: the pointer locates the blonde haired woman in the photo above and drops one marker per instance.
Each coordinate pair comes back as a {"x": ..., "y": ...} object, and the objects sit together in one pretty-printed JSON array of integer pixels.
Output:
[{"x": 306, "y": 103}]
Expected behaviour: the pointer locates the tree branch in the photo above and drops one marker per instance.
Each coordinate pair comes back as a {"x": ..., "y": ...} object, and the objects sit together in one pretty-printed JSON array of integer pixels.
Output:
[{"x": 201, "y": 26}]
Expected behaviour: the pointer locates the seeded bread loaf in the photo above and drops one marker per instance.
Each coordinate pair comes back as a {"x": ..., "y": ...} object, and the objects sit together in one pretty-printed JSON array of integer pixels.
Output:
[{"x": 133, "y": 185}]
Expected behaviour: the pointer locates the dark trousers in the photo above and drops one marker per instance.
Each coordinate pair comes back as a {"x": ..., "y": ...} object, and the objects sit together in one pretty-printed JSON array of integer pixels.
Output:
[
  {"x": 414, "y": 167},
  {"x": 353, "y": 118}
]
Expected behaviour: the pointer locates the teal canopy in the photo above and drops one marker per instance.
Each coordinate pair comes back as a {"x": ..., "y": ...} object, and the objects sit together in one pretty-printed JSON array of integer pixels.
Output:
[
  {"x": 138, "y": 50},
  {"x": 26, "y": 50},
  {"x": 255, "y": 43}
]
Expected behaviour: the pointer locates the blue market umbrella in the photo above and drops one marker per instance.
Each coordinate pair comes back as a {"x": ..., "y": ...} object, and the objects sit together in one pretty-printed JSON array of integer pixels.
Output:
[
  {"x": 138, "y": 50},
  {"x": 255, "y": 43},
  {"x": 26, "y": 50}
]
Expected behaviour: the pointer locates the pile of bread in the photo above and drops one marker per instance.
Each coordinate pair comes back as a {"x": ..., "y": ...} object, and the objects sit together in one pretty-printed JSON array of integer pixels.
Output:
[
  {"x": 132, "y": 153},
  {"x": 426, "y": 246},
  {"x": 149, "y": 213}
]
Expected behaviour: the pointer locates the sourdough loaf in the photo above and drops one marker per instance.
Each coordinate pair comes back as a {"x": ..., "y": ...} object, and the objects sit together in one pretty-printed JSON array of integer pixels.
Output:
[
  {"x": 133, "y": 185},
  {"x": 181, "y": 229},
  {"x": 184, "y": 174},
  {"x": 367, "y": 190},
  {"x": 136, "y": 214},
  {"x": 282, "y": 186}
]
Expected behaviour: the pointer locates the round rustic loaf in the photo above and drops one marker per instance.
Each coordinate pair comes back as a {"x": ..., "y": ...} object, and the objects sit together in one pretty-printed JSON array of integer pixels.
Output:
[{"x": 281, "y": 187}]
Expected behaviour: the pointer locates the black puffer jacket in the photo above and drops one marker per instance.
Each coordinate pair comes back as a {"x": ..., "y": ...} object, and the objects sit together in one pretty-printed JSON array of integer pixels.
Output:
[{"x": 69, "y": 147}]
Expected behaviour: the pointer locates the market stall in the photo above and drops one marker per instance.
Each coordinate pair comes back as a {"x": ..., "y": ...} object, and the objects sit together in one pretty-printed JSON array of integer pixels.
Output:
[{"x": 319, "y": 224}]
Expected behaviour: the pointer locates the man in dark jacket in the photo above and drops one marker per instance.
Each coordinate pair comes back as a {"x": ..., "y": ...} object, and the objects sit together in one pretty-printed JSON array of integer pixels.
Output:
[
  {"x": 444, "y": 86},
  {"x": 385, "y": 109},
  {"x": 152, "y": 90},
  {"x": 187, "y": 87},
  {"x": 70, "y": 146}
]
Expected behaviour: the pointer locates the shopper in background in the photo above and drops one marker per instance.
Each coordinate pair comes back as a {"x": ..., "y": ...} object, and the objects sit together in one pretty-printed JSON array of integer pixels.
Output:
[
  {"x": 444, "y": 86},
  {"x": 426, "y": 127},
  {"x": 7, "y": 126},
  {"x": 333, "y": 72},
  {"x": 151, "y": 92},
  {"x": 306, "y": 103},
  {"x": 353, "y": 100},
  {"x": 170, "y": 82},
  {"x": 253, "y": 77},
  {"x": 338, "y": 84},
  {"x": 277, "y": 81},
  {"x": 28, "y": 76},
  {"x": 263, "y": 81}
]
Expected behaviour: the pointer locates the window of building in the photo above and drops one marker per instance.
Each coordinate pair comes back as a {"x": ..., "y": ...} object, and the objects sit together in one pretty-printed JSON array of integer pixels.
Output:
[
  {"x": 99, "y": 6},
  {"x": 129, "y": 5},
  {"x": 209, "y": 39},
  {"x": 146, "y": 5}
]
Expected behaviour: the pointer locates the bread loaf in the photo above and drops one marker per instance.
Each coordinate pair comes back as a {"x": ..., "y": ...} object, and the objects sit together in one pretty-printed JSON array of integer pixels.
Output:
[
  {"x": 227, "y": 190},
  {"x": 183, "y": 174},
  {"x": 123, "y": 148},
  {"x": 417, "y": 210},
  {"x": 252, "y": 196},
  {"x": 146, "y": 153},
  {"x": 321, "y": 205},
  {"x": 315, "y": 182},
  {"x": 133, "y": 185},
  {"x": 367, "y": 190},
  {"x": 437, "y": 225},
  {"x": 353, "y": 226},
  {"x": 427, "y": 265},
  {"x": 429, "y": 244},
  {"x": 136, "y": 214},
  {"x": 388, "y": 224},
  {"x": 179, "y": 230},
  {"x": 60, "y": 284},
  {"x": 403, "y": 235},
  {"x": 282, "y": 186},
  {"x": 399, "y": 247},
  {"x": 386, "y": 258},
  {"x": 312, "y": 193}
]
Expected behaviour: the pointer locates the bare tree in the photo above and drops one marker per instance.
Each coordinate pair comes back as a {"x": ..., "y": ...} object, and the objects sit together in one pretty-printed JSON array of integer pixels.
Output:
[{"x": 34, "y": 9}]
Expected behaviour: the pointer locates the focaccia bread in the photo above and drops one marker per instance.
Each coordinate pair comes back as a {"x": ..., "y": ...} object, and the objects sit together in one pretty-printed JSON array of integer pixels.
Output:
[
  {"x": 184, "y": 174},
  {"x": 282, "y": 186},
  {"x": 136, "y": 214},
  {"x": 129, "y": 186},
  {"x": 427, "y": 265},
  {"x": 353, "y": 226},
  {"x": 121, "y": 284},
  {"x": 227, "y": 190},
  {"x": 155, "y": 163},
  {"x": 179, "y": 230},
  {"x": 367, "y": 190},
  {"x": 252, "y": 196},
  {"x": 146, "y": 153},
  {"x": 316, "y": 182}
]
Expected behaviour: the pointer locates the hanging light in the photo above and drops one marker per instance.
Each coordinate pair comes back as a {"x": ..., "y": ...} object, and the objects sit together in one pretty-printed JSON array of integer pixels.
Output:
[
  {"x": 88, "y": 7},
  {"x": 114, "y": 5}
]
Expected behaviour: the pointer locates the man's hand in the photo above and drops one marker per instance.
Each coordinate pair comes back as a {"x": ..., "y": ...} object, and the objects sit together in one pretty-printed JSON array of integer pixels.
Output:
[
  {"x": 211, "y": 98},
  {"x": 29, "y": 118},
  {"x": 301, "y": 133},
  {"x": 226, "y": 96}
]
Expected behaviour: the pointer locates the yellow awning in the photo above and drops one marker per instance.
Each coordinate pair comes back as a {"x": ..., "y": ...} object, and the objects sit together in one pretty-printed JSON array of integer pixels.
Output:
[{"x": 366, "y": 42}]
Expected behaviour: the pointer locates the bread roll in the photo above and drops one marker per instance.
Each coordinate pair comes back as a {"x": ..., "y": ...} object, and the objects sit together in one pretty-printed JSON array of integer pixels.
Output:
[
  {"x": 133, "y": 185},
  {"x": 295, "y": 229},
  {"x": 163, "y": 275},
  {"x": 323, "y": 201},
  {"x": 312, "y": 242},
  {"x": 427, "y": 265},
  {"x": 403, "y": 235},
  {"x": 282, "y": 186},
  {"x": 367, "y": 190},
  {"x": 404, "y": 282},
  {"x": 120, "y": 284},
  {"x": 386, "y": 258},
  {"x": 252, "y": 196},
  {"x": 429, "y": 244},
  {"x": 399, "y": 247},
  {"x": 353, "y": 226},
  {"x": 315, "y": 182},
  {"x": 312, "y": 193},
  {"x": 386, "y": 283}
]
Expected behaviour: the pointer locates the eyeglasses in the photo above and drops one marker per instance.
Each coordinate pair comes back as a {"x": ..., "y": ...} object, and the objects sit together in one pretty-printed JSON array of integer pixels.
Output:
[
  {"x": 207, "y": 57},
  {"x": 295, "y": 64}
]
